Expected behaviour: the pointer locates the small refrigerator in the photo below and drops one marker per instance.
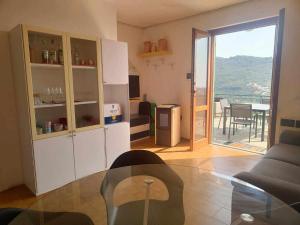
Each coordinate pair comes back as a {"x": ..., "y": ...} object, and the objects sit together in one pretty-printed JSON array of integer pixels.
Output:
[{"x": 167, "y": 125}]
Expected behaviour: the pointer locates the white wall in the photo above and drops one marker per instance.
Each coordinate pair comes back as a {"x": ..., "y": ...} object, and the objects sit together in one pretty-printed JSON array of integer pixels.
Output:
[
  {"x": 169, "y": 85},
  {"x": 133, "y": 36},
  {"x": 89, "y": 17},
  {"x": 10, "y": 161}
]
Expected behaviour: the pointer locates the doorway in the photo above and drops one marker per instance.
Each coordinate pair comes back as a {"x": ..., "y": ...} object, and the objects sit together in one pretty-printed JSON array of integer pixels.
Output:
[
  {"x": 243, "y": 76},
  {"x": 212, "y": 84}
]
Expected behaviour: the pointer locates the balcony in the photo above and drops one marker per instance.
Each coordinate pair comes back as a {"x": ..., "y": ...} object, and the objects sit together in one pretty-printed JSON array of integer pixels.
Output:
[{"x": 240, "y": 140}]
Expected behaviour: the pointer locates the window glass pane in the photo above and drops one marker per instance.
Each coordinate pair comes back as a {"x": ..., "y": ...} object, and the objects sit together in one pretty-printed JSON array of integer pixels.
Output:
[
  {"x": 200, "y": 125},
  {"x": 48, "y": 82},
  {"x": 85, "y": 82},
  {"x": 201, "y": 53}
]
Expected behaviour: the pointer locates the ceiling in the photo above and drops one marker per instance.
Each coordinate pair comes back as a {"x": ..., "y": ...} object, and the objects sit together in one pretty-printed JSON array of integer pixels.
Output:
[{"x": 145, "y": 13}]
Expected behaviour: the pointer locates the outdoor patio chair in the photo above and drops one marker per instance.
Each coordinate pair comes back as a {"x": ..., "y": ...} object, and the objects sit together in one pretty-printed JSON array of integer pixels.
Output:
[
  {"x": 223, "y": 102},
  {"x": 241, "y": 114}
]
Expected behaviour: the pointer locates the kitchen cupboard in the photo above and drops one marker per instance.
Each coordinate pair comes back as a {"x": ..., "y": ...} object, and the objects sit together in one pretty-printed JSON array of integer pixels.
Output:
[
  {"x": 115, "y": 62},
  {"x": 59, "y": 89},
  {"x": 117, "y": 140},
  {"x": 59, "y": 95},
  {"x": 54, "y": 164},
  {"x": 89, "y": 152},
  {"x": 116, "y": 90}
]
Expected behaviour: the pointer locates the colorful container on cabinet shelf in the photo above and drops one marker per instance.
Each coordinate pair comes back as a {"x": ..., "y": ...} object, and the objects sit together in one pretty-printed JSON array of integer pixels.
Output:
[{"x": 112, "y": 113}]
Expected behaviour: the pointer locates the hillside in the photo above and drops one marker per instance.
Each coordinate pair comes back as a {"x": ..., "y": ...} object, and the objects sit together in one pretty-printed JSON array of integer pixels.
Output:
[{"x": 243, "y": 75}]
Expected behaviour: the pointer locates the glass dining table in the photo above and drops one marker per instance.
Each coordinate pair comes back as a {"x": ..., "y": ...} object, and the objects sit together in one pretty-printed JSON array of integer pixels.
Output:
[{"x": 158, "y": 194}]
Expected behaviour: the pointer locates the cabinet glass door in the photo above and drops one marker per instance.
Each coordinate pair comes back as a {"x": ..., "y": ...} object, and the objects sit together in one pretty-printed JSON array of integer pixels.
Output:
[
  {"x": 85, "y": 82},
  {"x": 47, "y": 82}
]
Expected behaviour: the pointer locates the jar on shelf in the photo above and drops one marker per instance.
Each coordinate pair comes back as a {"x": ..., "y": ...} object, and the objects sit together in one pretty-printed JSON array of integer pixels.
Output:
[
  {"x": 48, "y": 127},
  {"x": 153, "y": 47},
  {"x": 147, "y": 46},
  {"x": 162, "y": 44},
  {"x": 76, "y": 58},
  {"x": 45, "y": 56},
  {"x": 52, "y": 57}
]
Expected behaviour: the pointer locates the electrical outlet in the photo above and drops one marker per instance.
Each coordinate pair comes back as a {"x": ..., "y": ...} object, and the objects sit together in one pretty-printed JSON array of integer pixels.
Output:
[
  {"x": 287, "y": 123},
  {"x": 298, "y": 123},
  {"x": 189, "y": 76}
]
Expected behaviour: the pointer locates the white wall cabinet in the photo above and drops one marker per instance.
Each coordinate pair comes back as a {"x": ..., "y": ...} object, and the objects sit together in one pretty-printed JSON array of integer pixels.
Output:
[
  {"x": 89, "y": 152},
  {"x": 59, "y": 95},
  {"x": 54, "y": 164},
  {"x": 115, "y": 79},
  {"x": 115, "y": 62},
  {"x": 117, "y": 140}
]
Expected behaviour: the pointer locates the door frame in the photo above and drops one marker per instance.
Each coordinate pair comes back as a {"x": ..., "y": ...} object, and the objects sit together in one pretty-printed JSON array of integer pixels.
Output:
[
  {"x": 208, "y": 107},
  {"x": 278, "y": 22}
]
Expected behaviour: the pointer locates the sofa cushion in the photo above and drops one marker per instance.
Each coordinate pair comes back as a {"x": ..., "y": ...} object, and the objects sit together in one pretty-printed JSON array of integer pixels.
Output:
[
  {"x": 285, "y": 153},
  {"x": 278, "y": 170},
  {"x": 290, "y": 137},
  {"x": 283, "y": 190}
]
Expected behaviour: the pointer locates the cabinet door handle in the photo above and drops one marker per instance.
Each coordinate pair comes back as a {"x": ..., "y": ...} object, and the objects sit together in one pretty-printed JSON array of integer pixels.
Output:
[{"x": 74, "y": 133}]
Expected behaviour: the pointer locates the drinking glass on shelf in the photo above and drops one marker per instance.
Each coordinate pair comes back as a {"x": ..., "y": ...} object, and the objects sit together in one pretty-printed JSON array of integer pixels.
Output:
[
  {"x": 47, "y": 96},
  {"x": 61, "y": 92}
]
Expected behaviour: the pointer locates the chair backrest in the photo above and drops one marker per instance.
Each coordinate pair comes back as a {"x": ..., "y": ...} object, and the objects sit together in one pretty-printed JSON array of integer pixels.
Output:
[
  {"x": 224, "y": 102},
  {"x": 241, "y": 110},
  {"x": 8, "y": 215},
  {"x": 145, "y": 108},
  {"x": 136, "y": 157},
  {"x": 131, "y": 212}
]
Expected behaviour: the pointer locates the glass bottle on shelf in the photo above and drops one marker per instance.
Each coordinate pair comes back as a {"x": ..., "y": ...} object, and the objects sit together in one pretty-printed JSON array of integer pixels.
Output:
[
  {"x": 76, "y": 57},
  {"x": 45, "y": 52},
  {"x": 52, "y": 53},
  {"x": 60, "y": 55}
]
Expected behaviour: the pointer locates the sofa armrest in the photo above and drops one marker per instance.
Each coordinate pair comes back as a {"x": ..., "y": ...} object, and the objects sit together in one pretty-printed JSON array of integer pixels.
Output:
[
  {"x": 285, "y": 191},
  {"x": 290, "y": 137}
]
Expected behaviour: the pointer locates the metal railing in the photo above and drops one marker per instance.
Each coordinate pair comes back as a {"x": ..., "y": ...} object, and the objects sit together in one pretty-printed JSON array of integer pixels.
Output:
[{"x": 243, "y": 98}]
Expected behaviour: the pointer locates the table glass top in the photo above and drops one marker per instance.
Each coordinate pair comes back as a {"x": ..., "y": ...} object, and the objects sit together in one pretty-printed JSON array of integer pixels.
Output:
[{"x": 158, "y": 195}]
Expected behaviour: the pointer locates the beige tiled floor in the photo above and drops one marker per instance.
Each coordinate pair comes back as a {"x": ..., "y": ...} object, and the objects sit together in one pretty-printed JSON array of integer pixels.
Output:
[{"x": 214, "y": 158}]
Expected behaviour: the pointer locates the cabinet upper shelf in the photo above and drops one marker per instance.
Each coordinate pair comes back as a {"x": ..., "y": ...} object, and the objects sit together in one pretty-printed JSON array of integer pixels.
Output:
[
  {"x": 63, "y": 104},
  {"x": 155, "y": 54},
  {"x": 48, "y": 66},
  {"x": 84, "y": 67},
  {"x": 56, "y": 66}
]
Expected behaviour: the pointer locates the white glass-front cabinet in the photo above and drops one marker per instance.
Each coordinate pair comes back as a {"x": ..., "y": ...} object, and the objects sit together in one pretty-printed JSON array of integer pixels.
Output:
[
  {"x": 58, "y": 82},
  {"x": 86, "y": 105}
]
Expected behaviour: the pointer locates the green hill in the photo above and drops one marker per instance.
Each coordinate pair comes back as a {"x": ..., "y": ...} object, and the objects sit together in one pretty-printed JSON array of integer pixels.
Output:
[{"x": 243, "y": 75}]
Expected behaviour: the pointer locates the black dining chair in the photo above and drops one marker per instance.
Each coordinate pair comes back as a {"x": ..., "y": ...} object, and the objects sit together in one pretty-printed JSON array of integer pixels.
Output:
[
  {"x": 136, "y": 157},
  {"x": 16, "y": 216},
  {"x": 139, "y": 163}
]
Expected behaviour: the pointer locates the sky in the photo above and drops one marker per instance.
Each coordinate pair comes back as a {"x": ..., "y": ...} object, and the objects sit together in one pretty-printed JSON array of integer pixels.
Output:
[{"x": 258, "y": 42}]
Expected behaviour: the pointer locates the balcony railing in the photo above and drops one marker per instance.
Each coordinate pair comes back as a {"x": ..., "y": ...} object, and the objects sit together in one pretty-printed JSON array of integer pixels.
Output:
[{"x": 243, "y": 98}]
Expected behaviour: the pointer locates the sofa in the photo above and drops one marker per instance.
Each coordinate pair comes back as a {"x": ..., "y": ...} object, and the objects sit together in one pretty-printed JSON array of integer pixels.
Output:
[{"x": 278, "y": 172}]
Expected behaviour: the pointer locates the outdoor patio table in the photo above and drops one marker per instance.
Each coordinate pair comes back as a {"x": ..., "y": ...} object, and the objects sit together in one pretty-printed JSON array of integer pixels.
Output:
[{"x": 257, "y": 108}]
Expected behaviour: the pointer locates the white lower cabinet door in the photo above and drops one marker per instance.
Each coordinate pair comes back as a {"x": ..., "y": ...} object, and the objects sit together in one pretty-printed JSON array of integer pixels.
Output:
[
  {"x": 117, "y": 140},
  {"x": 89, "y": 152},
  {"x": 54, "y": 163}
]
